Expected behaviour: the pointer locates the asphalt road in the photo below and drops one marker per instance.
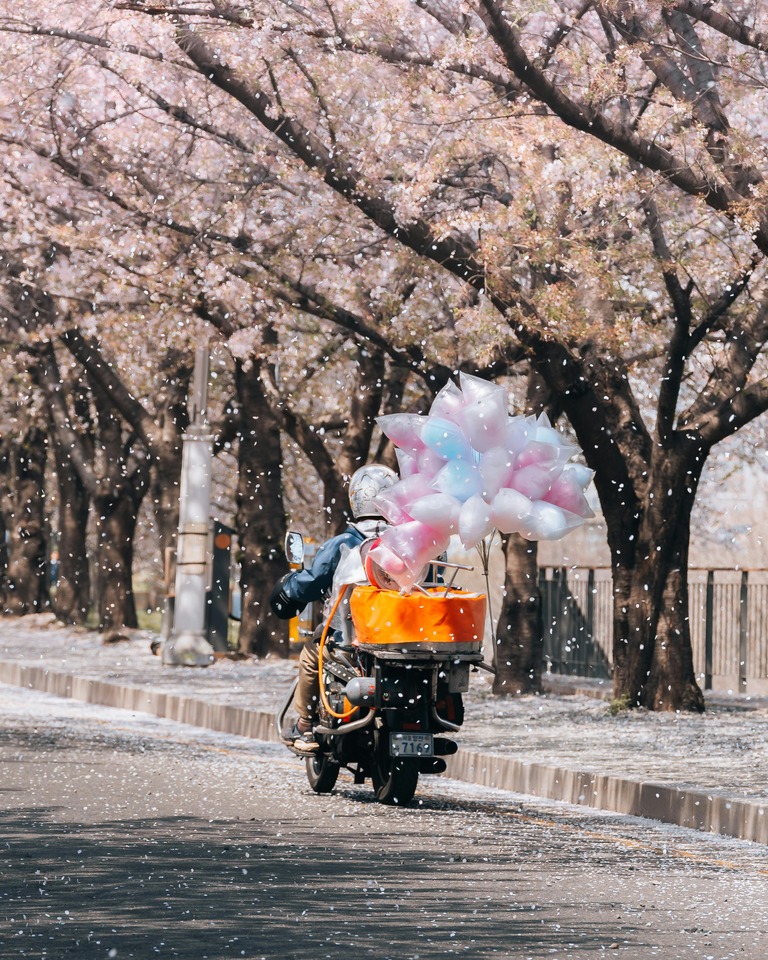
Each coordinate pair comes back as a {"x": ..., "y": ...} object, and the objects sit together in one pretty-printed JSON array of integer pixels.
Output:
[{"x": 127, "y": 836}]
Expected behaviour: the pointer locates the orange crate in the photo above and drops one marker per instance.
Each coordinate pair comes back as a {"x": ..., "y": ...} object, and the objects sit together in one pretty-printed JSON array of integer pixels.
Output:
[{"x": 416, "y": 621}]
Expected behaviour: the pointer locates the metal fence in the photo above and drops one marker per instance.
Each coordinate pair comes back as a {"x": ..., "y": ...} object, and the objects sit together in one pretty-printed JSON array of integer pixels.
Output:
[{"x": 728, "y": 612}]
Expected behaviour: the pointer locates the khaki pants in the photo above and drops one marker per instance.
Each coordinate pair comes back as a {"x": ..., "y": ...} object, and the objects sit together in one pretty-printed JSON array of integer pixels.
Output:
[{"x": 307, "y": 696}]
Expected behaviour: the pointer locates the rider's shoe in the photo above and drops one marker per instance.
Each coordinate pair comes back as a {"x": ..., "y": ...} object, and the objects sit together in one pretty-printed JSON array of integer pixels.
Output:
[{"x": 303, "y": 740}]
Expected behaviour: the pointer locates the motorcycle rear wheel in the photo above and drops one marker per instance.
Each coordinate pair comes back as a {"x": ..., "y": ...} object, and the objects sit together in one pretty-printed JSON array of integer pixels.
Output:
[
  {"x": 322, "y": 772},
  {"x": 394, "y": 778}
]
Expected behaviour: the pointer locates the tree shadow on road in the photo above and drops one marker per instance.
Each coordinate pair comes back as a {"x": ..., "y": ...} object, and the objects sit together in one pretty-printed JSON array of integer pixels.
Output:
[{"x": 188, "y": 887}]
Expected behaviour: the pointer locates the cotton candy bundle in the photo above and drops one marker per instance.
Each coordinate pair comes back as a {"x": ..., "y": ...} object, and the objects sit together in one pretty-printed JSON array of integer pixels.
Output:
[{"x": 469, "y": 468}]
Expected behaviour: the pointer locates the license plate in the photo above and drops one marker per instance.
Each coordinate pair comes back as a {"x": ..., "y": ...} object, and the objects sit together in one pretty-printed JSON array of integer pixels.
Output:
[{"x": 411, "y": 745}]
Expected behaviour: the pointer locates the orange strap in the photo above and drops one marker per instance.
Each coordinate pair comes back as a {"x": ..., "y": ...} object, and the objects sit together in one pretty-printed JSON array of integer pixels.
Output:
[{"x": 324, "y": 634}]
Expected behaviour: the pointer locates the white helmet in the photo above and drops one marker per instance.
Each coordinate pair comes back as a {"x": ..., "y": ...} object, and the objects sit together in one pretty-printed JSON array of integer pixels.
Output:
[{"x": 365, "y": 485}]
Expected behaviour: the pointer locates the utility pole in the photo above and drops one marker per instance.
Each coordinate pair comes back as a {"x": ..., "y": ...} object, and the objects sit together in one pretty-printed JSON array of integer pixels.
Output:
[{"x": 187, "y": 645}]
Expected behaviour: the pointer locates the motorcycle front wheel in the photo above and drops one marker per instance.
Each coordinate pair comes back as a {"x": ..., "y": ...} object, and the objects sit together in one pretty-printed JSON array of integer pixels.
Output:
[
  {"x": 322, "y": 772},
  {"x": 394, "y": 778}
]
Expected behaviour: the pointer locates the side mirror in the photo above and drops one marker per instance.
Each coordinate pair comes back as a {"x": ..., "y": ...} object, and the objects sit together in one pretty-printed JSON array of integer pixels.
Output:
[{"x": 294, "y": 548}]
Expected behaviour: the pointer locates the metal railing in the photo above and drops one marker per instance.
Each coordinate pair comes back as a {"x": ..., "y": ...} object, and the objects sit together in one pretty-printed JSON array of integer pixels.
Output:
[
  {"x": 728, "y": 611},
  {"x": 577, "y": 607}
]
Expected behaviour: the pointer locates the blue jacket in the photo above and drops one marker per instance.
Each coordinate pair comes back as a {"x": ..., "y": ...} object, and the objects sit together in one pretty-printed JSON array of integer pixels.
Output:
[{"x": 315, "y": 582}]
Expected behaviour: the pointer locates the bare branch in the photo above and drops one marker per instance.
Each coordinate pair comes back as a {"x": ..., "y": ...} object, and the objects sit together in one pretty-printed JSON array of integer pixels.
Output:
[
  {"x": 620, "y": 136},
  {"x": 48, "y": 377},
  {"x": 309, "y": 300},
  {"x": 316, "y": 92},
  {"x": 180, "y": 113},
  {"x": 698, "y": 90},
  {"x": 294, "y": 425},
  {"x": 337, "y": 170},
  {"x": 677, "y": 349},
  {"x": 720, "y": 306},
  {"x": 88, "y": 353},
  {"x": 735, "y": 29},
  {"x": 561, "y": 31},
  {"x": 447, "y": 20},
  {"x": 87, "y": 39},
  {"x": 218, "y": 12},
  {"x": 721, "y": 404},
  {"x": 508, "y": 86}
]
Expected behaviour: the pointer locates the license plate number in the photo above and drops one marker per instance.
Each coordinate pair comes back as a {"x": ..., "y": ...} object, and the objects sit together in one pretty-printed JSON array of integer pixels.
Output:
[{"x": 411, "y": 745}]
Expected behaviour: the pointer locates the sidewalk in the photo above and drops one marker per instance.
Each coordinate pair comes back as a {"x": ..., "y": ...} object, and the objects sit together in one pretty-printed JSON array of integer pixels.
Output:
[{"x": 709, "y": 772}]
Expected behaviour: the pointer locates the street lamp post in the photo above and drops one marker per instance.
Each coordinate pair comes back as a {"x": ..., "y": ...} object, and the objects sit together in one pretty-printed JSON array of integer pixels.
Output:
[{"x": 187, "y": 644}]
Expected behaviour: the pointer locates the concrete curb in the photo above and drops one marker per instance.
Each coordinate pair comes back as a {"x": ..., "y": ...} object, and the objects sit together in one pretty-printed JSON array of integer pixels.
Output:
[
  {"x": 568, "y": 686},
  {"x": 683, "y": 806},
  {"x": 241, "y": 721}
]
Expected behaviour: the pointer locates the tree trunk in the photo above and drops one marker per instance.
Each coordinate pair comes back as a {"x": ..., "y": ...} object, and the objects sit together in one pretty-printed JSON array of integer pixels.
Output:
[
  {"x": 23, "y": 467},
  {"x": 72, "y": 598},
  {"x": 115, "y": 529},
  {"x": 647, "y": 485},
  {"x": 172, "y": 419},
  {"x": 117, "y": 497},
  {"x": 3, "y": 554},
  {"x": 165, "y": 479},
  {"x": 261, "y": 521},
  {"x": 159, "y": 432},
  {"x": 653, "y": 658},
  {"x": 519, "y": 634},
  {"x": 520, "y": 630},
  {"x": 364, "y": 406}
]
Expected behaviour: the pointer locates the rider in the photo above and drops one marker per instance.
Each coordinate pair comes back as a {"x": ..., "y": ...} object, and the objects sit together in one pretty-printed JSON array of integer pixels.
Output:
[{"x": 295, "y": 590}]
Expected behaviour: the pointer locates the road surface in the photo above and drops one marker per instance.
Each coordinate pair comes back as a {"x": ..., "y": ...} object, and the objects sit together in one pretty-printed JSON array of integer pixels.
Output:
[{"x": 128, "y": 836}]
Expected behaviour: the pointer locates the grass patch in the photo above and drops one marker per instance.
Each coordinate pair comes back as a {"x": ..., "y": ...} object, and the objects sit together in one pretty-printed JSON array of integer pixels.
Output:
[
  {"x": 150, "y": 620},
  {"x": 620, "y": 705}
]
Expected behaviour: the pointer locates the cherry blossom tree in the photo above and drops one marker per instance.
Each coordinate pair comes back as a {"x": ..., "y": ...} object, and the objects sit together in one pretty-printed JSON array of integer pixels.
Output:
[
  {"x": 336, "y": 449},
  {"x": 591, "y": 172},
  {"x": 554, "y": 253},
  {"x": 22, "y": 508}
]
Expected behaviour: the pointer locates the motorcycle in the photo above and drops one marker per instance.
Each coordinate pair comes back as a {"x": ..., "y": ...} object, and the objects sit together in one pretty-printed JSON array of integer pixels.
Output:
[{"x": 391, "y": 688}]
